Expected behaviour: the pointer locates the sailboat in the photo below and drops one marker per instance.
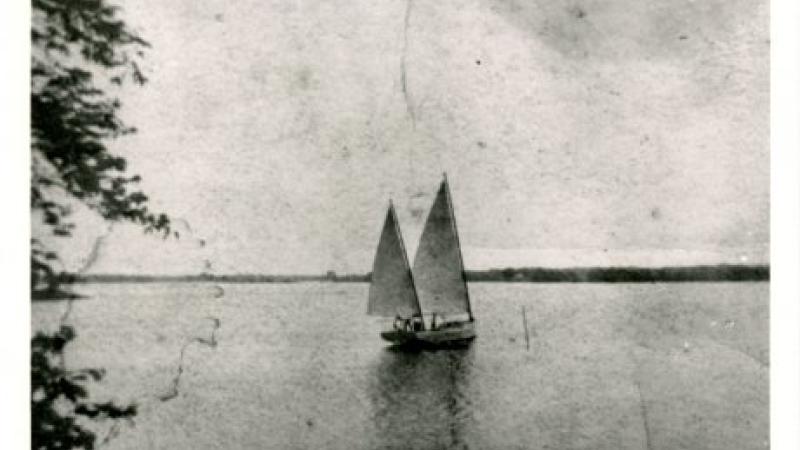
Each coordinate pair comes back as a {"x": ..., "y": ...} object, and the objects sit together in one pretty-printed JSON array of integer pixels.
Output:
[{"x": 437, "y": 278}]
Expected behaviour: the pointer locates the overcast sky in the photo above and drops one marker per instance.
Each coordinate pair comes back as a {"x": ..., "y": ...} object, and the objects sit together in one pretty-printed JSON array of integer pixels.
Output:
[{"x": 572, "y": 132}]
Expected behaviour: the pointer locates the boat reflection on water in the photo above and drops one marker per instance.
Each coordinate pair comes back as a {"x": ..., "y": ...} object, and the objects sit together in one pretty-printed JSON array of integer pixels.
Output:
[{"x": 420, "y": 399}]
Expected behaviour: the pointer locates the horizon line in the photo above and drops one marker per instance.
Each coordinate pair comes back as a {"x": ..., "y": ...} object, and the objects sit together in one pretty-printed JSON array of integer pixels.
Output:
[{"x": 356, "y": 274}]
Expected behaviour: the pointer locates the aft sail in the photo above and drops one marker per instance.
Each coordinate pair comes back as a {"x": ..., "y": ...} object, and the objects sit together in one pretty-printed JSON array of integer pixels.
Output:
[
  {"x": 391, "y": 292},
  {"x": 438, "y": 265}
]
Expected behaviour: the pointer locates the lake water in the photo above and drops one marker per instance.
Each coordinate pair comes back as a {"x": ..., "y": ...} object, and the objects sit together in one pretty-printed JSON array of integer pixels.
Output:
[{"x": 300, "y": 366}]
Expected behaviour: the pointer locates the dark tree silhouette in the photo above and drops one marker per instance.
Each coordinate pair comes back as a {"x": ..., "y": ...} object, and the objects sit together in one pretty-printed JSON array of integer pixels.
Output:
[
  {"x": 51, "y": 426},
  {"x": 81, "y": 49}
]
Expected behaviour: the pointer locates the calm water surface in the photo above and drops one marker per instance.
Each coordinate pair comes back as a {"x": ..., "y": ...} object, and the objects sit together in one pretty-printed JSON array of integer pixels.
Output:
[{"x": 296, "y": 366}]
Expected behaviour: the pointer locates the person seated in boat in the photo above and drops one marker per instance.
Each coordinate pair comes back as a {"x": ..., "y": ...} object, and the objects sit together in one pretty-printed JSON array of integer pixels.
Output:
[
  {"x": 397, "y": 321},
  {"x": 416, "y": 324},
  {"x": 443, "y": 323}
]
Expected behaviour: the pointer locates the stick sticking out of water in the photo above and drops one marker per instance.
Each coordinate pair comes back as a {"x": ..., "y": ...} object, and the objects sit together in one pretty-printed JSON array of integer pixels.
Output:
[{"x": 525, "y": 325}]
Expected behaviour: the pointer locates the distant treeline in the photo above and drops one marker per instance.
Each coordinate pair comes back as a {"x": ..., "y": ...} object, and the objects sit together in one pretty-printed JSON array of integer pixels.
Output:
[
  {"x": 236, "y": 278},
  {"x": 625, "y": 274},
  {"x": 527, "y": 274}
]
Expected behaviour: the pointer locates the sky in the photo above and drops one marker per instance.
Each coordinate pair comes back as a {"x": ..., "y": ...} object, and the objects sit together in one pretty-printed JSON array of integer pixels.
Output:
[{"x": 580, "y": 133}]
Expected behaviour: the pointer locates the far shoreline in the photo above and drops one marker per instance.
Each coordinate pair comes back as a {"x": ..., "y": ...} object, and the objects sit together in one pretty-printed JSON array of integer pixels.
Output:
[{"x": 631, "y": 274}]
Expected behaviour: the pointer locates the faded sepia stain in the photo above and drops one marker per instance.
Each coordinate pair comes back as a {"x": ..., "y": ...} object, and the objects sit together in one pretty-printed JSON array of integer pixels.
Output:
[
  {"x": 658, "y": 30},
  {"x": 304, "y": 78},
  {"x": 655, "y": 213}
]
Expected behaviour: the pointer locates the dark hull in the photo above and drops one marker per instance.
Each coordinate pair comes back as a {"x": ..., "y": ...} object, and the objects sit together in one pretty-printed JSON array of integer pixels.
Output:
[{"x": 460, "y": 335}]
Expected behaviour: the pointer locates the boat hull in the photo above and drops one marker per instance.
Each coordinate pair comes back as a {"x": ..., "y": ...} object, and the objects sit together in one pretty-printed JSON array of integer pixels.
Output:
[{"x": 455, "y": 335}]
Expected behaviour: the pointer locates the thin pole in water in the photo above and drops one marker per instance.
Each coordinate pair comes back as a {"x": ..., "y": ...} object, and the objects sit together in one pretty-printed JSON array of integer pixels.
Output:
[{"x": 525, "y": 325}]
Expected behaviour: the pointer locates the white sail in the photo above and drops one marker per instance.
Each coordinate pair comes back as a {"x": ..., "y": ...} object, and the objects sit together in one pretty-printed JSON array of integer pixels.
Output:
[
  {"x": 438, "y": 265},
  {"x": 391, "y": 292}
]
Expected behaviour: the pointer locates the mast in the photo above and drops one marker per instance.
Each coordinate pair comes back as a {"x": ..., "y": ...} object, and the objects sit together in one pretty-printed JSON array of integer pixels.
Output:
[
  {"x": 458, "y": 244},
  {"x": 405, "y": 259}
]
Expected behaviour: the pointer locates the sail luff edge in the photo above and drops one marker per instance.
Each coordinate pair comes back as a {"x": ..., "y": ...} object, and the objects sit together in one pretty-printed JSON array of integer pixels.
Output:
[
  {"x": 458, "y": 244},
  {"x": 405, "y": 258}
]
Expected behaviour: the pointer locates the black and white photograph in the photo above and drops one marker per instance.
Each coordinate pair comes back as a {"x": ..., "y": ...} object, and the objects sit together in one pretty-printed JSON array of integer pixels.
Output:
[{"x": 398, "y": 224}]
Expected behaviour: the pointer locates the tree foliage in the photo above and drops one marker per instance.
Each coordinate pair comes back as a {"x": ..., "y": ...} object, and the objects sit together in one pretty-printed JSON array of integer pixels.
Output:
[
  {"x": 59, "y": 397},
  {"x": 81, "y": 51}
]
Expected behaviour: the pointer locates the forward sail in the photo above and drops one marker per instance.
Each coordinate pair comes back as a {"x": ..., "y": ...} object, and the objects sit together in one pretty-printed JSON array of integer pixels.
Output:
[
  {"x": 438, "y": 265},
  {"x": 391, "y": 292}
]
